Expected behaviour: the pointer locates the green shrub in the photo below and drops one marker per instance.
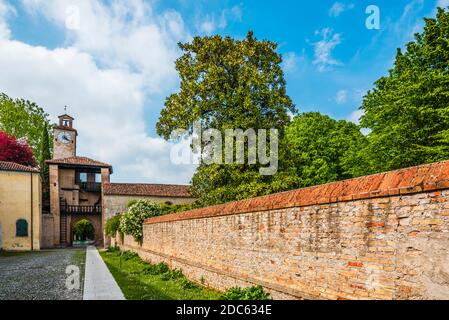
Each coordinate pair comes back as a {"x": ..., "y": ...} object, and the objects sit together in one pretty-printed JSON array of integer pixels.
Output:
[
  {"x": 113, "y": 250},
  {"x": 132, "y": 220},
  {"x": 155, "y": 269},
  {"x": 250, "y": 293},
  {"x": 84, "y": 230},
  {"x": 128, "y": 255},
  {"x": 172, "y": 275},
  {"x": 173, "y": 208},
  {"x": 187, "y": 284},
  {"x": 112, "y": 226},
  {"x": 131, "y": 203}
]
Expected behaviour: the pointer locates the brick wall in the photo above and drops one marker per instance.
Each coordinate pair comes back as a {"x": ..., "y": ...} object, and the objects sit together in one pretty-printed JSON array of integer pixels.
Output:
[
  {"x": 384, "y": 236},
  {"x": 47, "y": 235}
]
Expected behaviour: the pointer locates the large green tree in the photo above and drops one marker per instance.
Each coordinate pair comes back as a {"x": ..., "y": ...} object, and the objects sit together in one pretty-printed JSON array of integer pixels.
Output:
[
  {"x": 320, "y": 148},
  {"x": 408, "y": 110},
  {"x": 228, "y": 84},
  {"x": 26, "y": 120}
]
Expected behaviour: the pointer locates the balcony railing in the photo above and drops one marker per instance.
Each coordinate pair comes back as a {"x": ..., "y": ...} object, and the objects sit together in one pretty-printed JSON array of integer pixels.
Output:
[
  {"x": 90, "y": 186},
  {"x": 70, "y": 209}
]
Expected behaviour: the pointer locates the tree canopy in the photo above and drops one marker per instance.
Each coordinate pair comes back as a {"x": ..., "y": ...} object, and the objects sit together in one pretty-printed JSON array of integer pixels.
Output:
[
  {"x": 27, "y": 121},
  {"x": 408, "y": 110},
  {"x": 228, "y": 84},
  {"x": 320, "y": 148},
  {"x": 12, "y": 150}
]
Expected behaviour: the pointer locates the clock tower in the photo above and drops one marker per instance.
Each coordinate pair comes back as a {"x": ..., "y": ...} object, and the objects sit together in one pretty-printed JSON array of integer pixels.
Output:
[{"x": 65, "y": 138}]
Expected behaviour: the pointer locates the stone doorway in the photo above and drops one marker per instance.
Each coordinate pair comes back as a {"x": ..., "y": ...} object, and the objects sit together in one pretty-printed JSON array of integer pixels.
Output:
[{"x": 95, "y": 221}]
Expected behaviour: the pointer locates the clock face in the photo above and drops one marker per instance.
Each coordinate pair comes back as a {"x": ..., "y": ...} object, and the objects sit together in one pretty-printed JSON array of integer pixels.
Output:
[{"x": 65, "y": 137}]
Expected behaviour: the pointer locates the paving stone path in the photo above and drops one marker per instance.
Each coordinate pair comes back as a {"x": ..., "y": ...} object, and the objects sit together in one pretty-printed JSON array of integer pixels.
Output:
[
  {"x": 40, "y": 275},
  {"x": 99, "y": 283}
]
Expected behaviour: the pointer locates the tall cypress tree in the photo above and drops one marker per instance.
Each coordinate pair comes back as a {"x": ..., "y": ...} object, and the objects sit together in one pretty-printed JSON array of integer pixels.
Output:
[{"x": 45, "y": 155}]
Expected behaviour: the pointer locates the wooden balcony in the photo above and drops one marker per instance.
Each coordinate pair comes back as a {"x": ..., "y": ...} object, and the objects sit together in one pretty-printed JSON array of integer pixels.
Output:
[
  {"x": 89, "y": 210},
  {"x": 90, "y": 186}
]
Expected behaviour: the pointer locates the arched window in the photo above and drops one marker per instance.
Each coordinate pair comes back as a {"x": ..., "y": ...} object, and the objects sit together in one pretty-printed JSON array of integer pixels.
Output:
[{"x": 21, "y": 228}]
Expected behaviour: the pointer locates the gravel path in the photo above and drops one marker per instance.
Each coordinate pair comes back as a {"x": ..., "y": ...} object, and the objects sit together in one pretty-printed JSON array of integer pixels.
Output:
[{"x": 40, "y": 275}]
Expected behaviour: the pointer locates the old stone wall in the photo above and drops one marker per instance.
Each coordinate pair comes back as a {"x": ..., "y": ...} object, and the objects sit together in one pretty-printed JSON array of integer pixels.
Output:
[{"x": 384, "y": 236}]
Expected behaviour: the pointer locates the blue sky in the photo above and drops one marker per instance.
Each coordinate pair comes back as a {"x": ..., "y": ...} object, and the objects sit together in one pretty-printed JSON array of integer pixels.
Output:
[{"x": 112, "y": 61}]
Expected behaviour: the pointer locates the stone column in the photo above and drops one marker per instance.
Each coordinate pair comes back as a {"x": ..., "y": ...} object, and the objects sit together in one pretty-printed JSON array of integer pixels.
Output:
[
  {"x": 54, "y": 203},
  {"x": 105, "y": 175}
]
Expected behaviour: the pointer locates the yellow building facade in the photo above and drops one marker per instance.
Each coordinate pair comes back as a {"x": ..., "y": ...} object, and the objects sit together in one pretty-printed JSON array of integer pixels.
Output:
[{"x": 20, "y": 207}]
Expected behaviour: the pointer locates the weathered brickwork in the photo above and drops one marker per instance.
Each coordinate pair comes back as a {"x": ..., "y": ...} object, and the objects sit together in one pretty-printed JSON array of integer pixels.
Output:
[{"x": 392, "y": 243}]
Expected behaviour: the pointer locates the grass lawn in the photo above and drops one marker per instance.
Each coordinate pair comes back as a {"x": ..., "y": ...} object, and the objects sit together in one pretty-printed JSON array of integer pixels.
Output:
[{"x": 137, "y": 285}]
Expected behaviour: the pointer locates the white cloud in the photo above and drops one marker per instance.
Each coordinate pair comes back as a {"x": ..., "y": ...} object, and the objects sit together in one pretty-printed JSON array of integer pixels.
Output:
[
  {"x": 341, "y": 97},
  {"x": 356, "y": 115},
  {"x": 6, "y": 10},
  {"x": 125, "y": 35},
  {"x": 212, "y": 22},
  {"x": 290, "y": 61},
  {"x": 323, "y": 49},
  {"x": 108, "y": 73},
  {"x": 107, "y": 105},
  {"x": 443, "y": 3},
  {"x": 338, "y": 8}
]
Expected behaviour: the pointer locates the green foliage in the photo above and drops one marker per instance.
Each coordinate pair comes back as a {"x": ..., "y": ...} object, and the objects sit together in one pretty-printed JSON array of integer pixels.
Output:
[
  {"x": 112, "y": 226},
  {"x": 138, "y": 284},
  {"x": 26, "y": 120},
  {"x": 250, "y": 293},
  {"x": 129, "y": 255},
  {"x": 114, "y": 249},
  {"x": 131, "y": 221},
  {"x": 155, "y": 269},
  {"x": 187, "y": 284},
  {"x": 131, "y": 202},
  {"x": 45, "y": 155},
  {"x": 320, "y": 148},
  {"x": 84, "y": 230},
  {"x": 172, "y": 275},
  {"x": 408, "y": 110},
  {"x": 228, "y": 84},
  {"x": 173, "y": 208}
]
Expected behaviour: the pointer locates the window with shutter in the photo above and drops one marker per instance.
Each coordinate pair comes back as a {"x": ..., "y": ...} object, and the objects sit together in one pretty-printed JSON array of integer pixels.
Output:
[{"x": 21, "y": 228}]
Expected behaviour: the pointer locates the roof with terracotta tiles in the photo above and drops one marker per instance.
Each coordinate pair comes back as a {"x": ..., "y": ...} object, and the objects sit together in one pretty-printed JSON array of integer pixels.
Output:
[
  {"x": 157, "y": 190},
  {"x": 430, "y": 177},
  {"x": 11, "y": 166},
  {"x": 80, "y": 161}
]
